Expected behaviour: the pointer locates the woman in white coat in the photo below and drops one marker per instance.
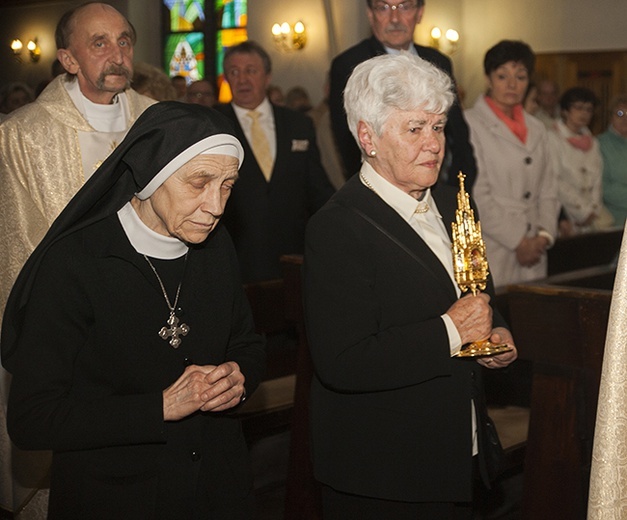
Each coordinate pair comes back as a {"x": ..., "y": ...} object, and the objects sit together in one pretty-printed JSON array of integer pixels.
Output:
[
  {"x": 516, "y": 188},
  {"x": 578, "y": 165}
]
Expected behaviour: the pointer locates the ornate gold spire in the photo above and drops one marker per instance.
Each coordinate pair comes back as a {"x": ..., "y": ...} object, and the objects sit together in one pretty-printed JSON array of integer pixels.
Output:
[{"x": 469, "y": 256}]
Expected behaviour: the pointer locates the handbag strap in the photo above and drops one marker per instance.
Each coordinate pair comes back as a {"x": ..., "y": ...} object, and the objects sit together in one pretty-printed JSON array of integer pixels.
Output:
[{"x": 394, "y": 239}]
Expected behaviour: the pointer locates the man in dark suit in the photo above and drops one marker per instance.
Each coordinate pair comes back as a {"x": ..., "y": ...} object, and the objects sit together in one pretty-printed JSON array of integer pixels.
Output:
[
  {"x": 282, "y": 181},
  {"x": 393, "y": 28},
  {"x": 396, "y": 415}
]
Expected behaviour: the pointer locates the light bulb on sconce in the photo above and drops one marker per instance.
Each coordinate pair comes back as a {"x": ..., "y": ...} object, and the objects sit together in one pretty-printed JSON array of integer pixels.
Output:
[
  {"x": 436, "y": 34},
  {"x": 34, "y": 50},
  {"x": 289, "y": 38},
  {"x": 451, "y": 37},
  {"x": 299, "y": 28},
  {"x": 16, "y": 47}
]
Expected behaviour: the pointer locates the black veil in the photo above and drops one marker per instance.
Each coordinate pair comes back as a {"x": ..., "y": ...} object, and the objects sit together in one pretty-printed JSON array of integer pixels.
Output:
[{"x": 159, "y": 135}]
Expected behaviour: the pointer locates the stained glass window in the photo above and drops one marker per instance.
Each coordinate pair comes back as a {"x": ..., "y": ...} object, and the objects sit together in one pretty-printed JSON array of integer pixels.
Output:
[
  {"x": 184, "y": 46},
  {"x": 185, "y": 55},
  {"x": 186, "y": 15},
  {"x": 232, "y": 18},
  {"x": 194, "y": 31}
]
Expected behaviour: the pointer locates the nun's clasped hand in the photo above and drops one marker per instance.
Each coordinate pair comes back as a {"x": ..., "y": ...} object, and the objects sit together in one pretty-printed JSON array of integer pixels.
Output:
[{"x": 206, "y": 388}]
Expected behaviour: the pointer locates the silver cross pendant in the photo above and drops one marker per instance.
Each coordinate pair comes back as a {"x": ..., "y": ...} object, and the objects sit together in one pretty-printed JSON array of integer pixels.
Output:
[{"x": 174, "y": 331}]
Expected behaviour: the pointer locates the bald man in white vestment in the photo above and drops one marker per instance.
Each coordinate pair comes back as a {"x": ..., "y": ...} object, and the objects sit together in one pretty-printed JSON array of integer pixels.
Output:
[{"x": 49, "y": 148}]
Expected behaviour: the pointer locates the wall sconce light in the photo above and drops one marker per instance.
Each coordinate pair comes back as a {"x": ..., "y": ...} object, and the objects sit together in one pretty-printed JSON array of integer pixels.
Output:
[
  {"x": 34, "y": 50},
  {"x": 451, "y": 36},
  {"x": 288, "y": 37},
  {"x": 436, "y": 34},
  {"x": 16, "y": 47},
  {"x": 32, "y": 46}
]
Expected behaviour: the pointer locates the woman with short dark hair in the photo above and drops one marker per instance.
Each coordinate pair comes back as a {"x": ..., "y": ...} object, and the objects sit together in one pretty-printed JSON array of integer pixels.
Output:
[{"x": 516, "y": 190}]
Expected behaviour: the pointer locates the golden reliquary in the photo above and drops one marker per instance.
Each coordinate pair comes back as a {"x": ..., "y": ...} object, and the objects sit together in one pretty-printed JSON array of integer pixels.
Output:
[{"x": 470, "y": 264}]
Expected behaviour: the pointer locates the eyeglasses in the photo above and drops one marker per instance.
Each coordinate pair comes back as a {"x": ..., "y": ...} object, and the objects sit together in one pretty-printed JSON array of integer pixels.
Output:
[
  {"x": 200, "y": 95},
  {"x": 382, "y": 8}
]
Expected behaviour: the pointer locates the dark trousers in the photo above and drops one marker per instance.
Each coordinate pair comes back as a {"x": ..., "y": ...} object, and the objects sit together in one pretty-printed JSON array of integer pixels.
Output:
[{"x": 342, "y": 506}]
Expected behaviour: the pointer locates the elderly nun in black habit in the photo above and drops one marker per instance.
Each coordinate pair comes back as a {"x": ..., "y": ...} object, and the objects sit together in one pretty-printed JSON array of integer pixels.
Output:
[{"x": 129, "y": 336}]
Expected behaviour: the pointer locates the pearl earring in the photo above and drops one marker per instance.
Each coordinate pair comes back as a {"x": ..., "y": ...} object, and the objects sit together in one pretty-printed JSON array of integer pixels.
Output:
[{"x": 373, "y": 153}]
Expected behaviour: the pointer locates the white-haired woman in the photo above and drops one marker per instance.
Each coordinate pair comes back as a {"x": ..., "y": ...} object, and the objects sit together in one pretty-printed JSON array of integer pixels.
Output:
[{"x": 394, "y": 412}]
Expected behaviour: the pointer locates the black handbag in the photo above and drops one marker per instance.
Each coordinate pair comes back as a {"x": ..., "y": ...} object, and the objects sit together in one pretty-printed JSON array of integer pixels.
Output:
[{"x": 490, "y": 450}]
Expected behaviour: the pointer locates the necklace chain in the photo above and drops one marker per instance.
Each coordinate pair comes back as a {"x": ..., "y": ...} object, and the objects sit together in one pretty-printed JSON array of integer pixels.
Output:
[
  {"x": 165, "y": 294},
  {"x": 422, "y": 207},
  {"x": 367, "y": 183},
  {"x": 173, "y": 330}
]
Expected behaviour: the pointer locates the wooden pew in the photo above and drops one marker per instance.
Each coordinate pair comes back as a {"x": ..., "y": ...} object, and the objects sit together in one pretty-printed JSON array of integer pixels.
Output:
[
  {"x": 512, "y": 425},
  {"x": 303, "y": 500},
  {"x": 582, "y": 251},
  {"x": 267, "y": 302},
  {"x": 269, "y": 409},
  {"x": 282, "y": 400},
  {"x": 560, "y": 325}
]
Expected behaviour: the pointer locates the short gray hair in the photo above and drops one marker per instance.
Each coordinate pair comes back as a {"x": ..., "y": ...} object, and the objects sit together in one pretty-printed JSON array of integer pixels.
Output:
[
  {"x": 394, "y": 81},
  {"x": 250, "y": 47},
  {"x": 65, "y": 26},
  {"x": 419, "y": 3}
]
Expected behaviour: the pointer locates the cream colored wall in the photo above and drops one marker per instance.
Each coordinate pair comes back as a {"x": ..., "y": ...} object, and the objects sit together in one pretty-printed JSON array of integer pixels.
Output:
[
  {"x": 546, "y": 25},
  {"x": 25, "y": 27},
  {"x": 445, "y": 14},
  {"x": 30, "y": 21},
  {"x": 307, "y": 67},
  {"x": 145, "y": 15}
]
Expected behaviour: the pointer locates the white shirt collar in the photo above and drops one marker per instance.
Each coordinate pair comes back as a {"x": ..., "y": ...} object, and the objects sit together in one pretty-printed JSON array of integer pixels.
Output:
[
  {"x": 103, "y": 118},
  {"x": 403, "y": 203},
  {"x": 145, "y": 240},
  {"x": 411, "y": 50},
  {"x": 264, "y": 108}
]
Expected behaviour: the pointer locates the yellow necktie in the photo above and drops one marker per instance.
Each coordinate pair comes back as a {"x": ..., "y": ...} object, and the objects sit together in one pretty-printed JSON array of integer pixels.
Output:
[{"x": 260, "y": 145}]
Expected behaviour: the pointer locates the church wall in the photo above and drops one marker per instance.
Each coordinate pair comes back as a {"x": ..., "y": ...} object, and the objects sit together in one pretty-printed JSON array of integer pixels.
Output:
[
  {"x": 555, "y": 26},
  {"x": 558, "y": 25},
  {"x": 548, "y": 26},
  {"x": 307, "y": 67},
  {"x": 30, "y": 21}
]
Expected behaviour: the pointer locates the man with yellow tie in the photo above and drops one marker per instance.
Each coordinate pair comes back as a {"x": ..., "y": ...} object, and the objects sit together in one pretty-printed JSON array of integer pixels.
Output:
[{"x": 281, "y": 181}]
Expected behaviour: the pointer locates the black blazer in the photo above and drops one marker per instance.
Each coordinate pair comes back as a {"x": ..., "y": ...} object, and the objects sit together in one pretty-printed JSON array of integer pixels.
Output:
[
  {"x": 457, "y": 135},
  {"x": 268, "y": 219},
  {"x": 391, "y": 410}
]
